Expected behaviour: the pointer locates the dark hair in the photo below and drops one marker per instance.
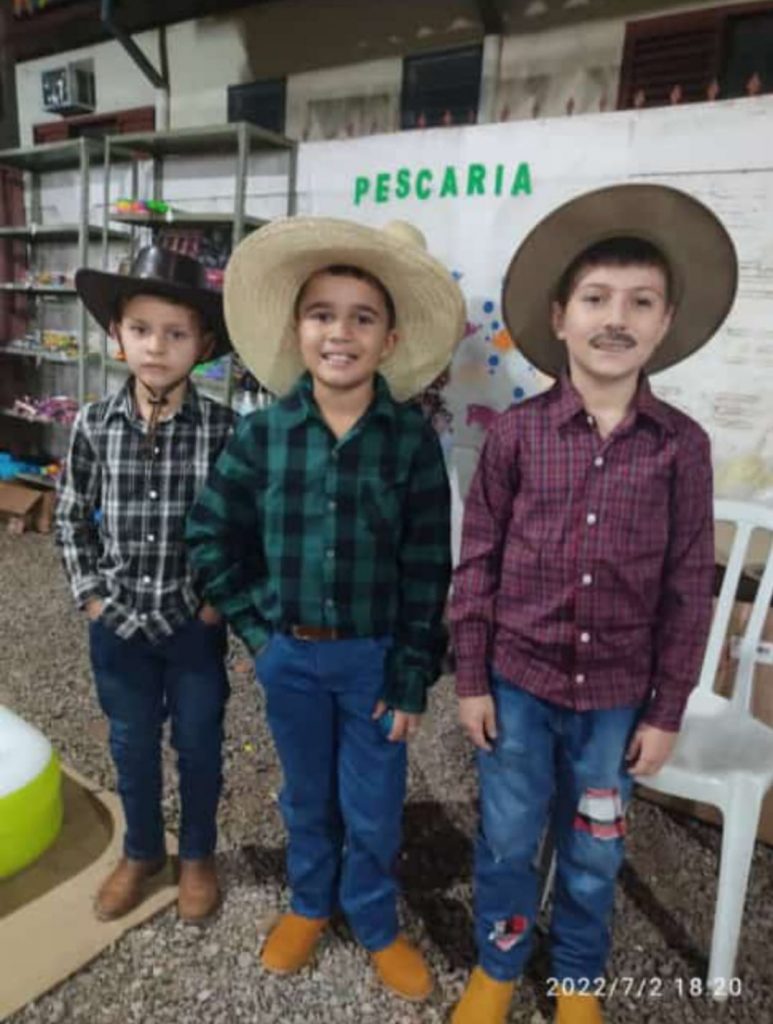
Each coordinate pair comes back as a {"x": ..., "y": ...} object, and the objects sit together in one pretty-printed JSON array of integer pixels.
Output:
[
  {"x": 344, "y": 270},
  {"x": 122, "y": 301},
  {"x": 620, "y": 252}
]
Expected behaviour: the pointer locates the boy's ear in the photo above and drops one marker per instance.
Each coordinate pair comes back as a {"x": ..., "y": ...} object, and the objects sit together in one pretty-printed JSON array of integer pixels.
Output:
[
  {"x": 115, "y": 334},
  {"x": 668, "y": 317},
  {"x": 390, "y": 342},
  {"x": 207, "y": 347},
  {"x": 557, "y": 318}
]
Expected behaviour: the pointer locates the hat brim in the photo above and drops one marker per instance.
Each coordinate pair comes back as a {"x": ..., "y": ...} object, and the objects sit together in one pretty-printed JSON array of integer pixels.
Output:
[
  {"x": 101, "y": 291},
  {"x": 269, "y": 267},
  {"x": 698, "y": 248}
]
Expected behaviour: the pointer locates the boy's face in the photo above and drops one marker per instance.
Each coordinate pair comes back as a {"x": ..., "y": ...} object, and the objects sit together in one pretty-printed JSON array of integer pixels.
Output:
[
  {"x": 614, "y": 319},
  {"x": 343, "y": 330},
  {"x": 162, "y": 341}
]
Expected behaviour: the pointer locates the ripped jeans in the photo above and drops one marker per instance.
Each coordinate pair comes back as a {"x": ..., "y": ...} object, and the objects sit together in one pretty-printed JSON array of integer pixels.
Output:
[{"x": 573, "y": 762}]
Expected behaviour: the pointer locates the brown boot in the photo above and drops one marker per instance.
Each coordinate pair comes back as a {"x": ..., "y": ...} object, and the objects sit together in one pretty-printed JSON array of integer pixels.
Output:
[
  {"x": 199, "y": 894},
  {"x": 291, "y": 943},
  {"x": 124, "y": 887},
  {"x": 403, "y": 970},
  {"x": 485, "y": 1000}
]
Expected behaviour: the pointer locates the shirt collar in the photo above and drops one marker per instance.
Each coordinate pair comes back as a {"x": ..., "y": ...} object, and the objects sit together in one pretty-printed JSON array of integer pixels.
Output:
[
  {"x": 300, "y": 404},
  {"x": 567, "y": 404},
  {"x": 122, "y": 404}
]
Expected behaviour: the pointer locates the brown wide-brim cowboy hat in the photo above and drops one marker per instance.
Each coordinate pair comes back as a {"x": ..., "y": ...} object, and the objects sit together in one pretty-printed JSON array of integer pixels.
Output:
[
  {"x": 268, "y": 269},
  {"x": 699, "y": 251},
  {"x": 156, "y": 271}
]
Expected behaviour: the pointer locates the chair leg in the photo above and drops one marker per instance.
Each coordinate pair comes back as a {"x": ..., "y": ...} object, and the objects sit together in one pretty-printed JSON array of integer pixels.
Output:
[{"x": 738, "y": 836}]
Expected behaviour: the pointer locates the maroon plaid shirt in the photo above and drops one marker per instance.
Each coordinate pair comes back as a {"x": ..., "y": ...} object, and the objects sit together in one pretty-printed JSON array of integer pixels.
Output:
[{"x": 587, "y": 564}]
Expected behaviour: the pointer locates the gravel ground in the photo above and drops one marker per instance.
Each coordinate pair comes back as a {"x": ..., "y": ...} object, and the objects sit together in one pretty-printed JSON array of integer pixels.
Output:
[{"x": 168, "y": 972}]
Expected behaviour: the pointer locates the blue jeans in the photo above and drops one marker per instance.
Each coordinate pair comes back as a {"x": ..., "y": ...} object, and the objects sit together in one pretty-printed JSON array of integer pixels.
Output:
[
  {"x": 139, "y": 684},
  {"x": 549, "y": 757},
  {"x": 344, "y": 783}
]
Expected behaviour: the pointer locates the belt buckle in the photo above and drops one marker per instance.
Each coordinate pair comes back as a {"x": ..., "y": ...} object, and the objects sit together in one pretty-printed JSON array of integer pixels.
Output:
[{"x": 313, "y": 633}]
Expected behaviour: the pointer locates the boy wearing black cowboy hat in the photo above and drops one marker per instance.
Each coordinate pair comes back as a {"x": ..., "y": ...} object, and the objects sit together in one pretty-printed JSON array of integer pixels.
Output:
[
  {"x": 324, "y": 537},
  {"x": 582, "y": 600},
  {"x": 139, "y": 458}
]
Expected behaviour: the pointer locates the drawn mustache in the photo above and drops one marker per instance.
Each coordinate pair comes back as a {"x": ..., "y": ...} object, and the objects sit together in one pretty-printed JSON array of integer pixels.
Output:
[{"x": 615, "y": 337}]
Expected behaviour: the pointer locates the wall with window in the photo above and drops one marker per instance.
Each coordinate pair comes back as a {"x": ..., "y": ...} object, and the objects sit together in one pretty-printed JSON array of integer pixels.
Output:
[{"x": 408, "y": 64}]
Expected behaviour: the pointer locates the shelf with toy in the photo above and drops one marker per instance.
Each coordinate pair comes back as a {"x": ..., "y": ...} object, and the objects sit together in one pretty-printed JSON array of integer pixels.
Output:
[
  {"x": 37, "y": 289},
  {"x": 156, "y": 214},
  {"x": 59, "y": 410},
  {"x": 52, "y": 346},
  {"x": 56, "y": 232}
]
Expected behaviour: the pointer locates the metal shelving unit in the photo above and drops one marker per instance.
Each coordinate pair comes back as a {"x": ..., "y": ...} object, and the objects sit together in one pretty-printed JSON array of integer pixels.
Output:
[
  {"x": 78, "y": 156},
  {"x": 239, "y": 140}
]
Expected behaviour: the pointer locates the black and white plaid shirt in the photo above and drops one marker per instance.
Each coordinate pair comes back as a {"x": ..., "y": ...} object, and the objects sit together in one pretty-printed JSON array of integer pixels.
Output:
[{"x": 120, "y": 518}]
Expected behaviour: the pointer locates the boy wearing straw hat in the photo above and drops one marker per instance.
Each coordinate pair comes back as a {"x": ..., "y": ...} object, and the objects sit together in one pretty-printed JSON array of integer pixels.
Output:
[
  {"x": 138, "y": 458},
  {"x": 323, "y": 537},
  {"x": 582, "y": 600}
]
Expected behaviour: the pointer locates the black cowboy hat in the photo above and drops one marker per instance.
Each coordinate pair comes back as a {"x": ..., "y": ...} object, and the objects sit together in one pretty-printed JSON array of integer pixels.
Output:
[{"x": 156, "y": 271}]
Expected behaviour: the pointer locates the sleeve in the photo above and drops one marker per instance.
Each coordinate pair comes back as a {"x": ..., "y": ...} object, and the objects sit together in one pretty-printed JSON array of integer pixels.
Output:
[
  {"x": 224, "y": 538},
  {"x": 685, "y": 607},
  {"x": 76, "y": 532},
  {"x": 413, "y": 663},
  {"x": 487, "y": 514}
]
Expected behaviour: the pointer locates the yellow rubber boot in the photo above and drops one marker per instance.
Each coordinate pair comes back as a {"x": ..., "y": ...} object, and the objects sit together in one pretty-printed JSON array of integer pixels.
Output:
[
  {"x": 485, "y": 1000},
  {"x": 291, "y": 942},
  {"x": 578, "y": 1008},
  {"x": 402, "y": 969}
]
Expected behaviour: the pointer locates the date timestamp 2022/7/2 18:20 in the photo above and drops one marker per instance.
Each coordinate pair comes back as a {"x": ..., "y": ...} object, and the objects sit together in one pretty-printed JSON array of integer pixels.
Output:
[{"x": 654, "y": 987}]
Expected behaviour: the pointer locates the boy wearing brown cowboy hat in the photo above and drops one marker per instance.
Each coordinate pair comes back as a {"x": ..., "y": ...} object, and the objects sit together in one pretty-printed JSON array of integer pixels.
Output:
[
  {"x": 323, "y": 537},
  {"x": 136, "y": 461},
  {"x": 582, "y": 600}
]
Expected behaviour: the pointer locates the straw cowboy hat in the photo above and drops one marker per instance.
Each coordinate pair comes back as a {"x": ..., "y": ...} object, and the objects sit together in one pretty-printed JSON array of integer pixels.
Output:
[
  {"x": 156, "y": 271},
  {"x": 698, "y": 249},
  {"x": 268, "y": 269}
]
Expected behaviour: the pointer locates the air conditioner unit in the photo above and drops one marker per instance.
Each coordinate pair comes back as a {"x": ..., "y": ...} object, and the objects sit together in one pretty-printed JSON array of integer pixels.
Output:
[{"x": 69, "y": 89}]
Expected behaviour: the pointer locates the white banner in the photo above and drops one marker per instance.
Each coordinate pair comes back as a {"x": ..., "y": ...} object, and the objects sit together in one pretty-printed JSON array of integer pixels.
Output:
[{"x": 475, "y": 192}]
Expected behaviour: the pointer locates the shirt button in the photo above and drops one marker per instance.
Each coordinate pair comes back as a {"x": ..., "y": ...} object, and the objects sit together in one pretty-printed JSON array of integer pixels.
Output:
[
  {"x": 147, "y": 579},
  {"x": 143, "y": 617},
  {"x": 590, "y": 519},
  {"x": 153, "y": 495},
  {"x": 584, "y": 638},
  {"x": 579, "y": 678},
  {"x": 334, "y": 456},
  {"x": 587, "y": 579},
  {"x": 157, "y": 451},
  {"x": 151, "y": 537},
  {"x": 329, "y": 602},
  {"x": 332, "y": 504},
  {"x": 330, "y": 553},
  {"x": 598, "y": 461},
  {"x": 591, "y": 421}
]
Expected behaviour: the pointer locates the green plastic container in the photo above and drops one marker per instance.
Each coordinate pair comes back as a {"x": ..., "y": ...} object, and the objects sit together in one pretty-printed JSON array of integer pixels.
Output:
[{"x": 30, "y": 794}]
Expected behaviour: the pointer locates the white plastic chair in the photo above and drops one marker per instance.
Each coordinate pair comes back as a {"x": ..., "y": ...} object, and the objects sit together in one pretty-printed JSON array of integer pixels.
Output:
[{"x": 724, "y": 756}]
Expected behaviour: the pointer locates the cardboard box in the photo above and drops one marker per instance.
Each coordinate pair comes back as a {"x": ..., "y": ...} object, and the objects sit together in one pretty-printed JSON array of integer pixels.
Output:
[{"x": 26, "y": 507}]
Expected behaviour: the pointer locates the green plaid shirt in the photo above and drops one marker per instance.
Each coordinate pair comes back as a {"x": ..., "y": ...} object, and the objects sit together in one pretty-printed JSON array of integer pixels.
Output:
[{"x": 296, "y": 527}]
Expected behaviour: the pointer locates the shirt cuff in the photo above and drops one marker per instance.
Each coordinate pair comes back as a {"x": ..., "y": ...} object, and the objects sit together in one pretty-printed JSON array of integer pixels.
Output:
[
  {"x": 471, "y": 681},
  {"x": 251, "y": 629},
  {"x": 471, "y": 650},
  {"x": 665, "y": 715},
  {"x": 88, "y": 588}
]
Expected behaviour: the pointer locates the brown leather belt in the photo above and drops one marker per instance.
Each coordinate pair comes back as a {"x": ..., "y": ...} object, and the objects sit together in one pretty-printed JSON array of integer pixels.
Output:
[{"x": 313, "y": 633}]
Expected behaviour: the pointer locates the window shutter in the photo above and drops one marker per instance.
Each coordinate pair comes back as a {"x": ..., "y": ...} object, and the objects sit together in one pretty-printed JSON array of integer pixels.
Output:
[{"x": 663, "y": 53}]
